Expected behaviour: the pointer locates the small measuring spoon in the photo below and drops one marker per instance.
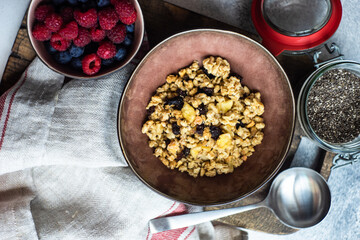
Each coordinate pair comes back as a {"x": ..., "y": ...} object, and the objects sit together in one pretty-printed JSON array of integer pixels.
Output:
[{"x": 299, "y": 197}]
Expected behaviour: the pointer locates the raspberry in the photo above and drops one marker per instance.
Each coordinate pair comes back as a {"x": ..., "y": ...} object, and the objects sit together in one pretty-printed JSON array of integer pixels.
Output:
[
  {"x": 117, "y": 34},
  {"x": 67, "y": 13},
  {"x": 113, "y": 2},
  {"x": 42, "y": 11},
  {"x": 70, "y": 31},
  {"x": 86, "y": 19},
  {"x": 41, "y": 32},
  {"x": 106, "y": 50},
  {"x": 59, "y": 43},
  {"x": 97, "y": 34},
  {"x": 129, "y": 20},
  {"x": 108, "y": 18},
  {"x": 124, "y": 8},
  {"x": 53, "y": 22},
  {"x": 91, "y": 64},
  {"x": 83, "y": 37}
]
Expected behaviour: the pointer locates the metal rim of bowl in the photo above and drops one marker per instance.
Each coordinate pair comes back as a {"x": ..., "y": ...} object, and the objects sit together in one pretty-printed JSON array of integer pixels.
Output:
[
  {"x": 302, "y": 106},
  {"x": 275, "y": 171},
  {"x": 28, "y": 29}
]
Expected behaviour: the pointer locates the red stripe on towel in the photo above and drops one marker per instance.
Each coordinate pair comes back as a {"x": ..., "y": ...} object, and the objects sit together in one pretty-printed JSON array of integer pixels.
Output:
[
  {"x": 172, "y": 234},
  {"x": 9, "y": 109},
  {"x": 148, "y": 234},
  {"x": 187, "y": 236}
]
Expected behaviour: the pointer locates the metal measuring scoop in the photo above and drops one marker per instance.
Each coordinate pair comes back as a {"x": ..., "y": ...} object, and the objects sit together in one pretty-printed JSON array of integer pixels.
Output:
[{"x": 299, "y": 197}]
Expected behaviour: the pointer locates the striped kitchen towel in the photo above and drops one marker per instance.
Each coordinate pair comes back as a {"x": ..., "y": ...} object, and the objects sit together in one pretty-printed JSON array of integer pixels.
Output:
[{"x": 62, "y": 173}]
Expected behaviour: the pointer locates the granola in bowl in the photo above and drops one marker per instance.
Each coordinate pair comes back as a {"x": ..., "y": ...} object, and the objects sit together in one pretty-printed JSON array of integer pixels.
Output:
[{"x": 203, "y": 121}]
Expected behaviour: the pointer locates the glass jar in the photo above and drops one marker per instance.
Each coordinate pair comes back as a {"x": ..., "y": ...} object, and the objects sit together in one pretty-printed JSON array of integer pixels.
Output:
[
  {"x": 352, "y": 146},
  {"x": 295, "y": 26}
]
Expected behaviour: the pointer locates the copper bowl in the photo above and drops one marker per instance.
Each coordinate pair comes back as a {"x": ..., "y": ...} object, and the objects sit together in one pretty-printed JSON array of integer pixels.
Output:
[
  {"x": 260, "y": 72},
  {"x": 67, "y": 70}
]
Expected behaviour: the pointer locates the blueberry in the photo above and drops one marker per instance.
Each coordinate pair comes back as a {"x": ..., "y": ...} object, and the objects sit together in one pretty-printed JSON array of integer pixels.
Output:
[
  {"x": 120, "y": 55},
  {"x": 183, "y": 153},
  {"x": 208, "y": 91},
  {"x": 202, "y": 109},
  {"x": 76, "y": 63},
  {"x": 58, "y": 2},
  {"x": 107, "y": 62},
  {"x": 103, "y": 3},
  {"x": 83, "y": 1},
  {"x": 239, "y": 124},
  {"x": 63, "y": 57},
  {"x": 76, "y": 51},
  {"x": 73, "y": 2},
  {"x": 215, "y": 132},
  {"x": 208, "y": 74},
  {"x": 200, "y": 129},
  {"x": 130, "y": 28},
  {"x": 128, "y": 40},
  {"x": 49, "y": 48},
  {"x": 175, "y": 128},
  {"x": 176, "y": 102},
  {"x": 181, "y": 92}
]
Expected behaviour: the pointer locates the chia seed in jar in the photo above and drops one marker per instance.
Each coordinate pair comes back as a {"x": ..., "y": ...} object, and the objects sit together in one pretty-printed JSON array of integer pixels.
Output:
[{"x": 333, "y": 106}]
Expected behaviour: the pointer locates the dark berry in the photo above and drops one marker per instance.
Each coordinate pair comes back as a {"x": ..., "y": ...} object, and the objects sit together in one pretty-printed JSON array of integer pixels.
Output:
[
  {"x": 91, "y": 64},
  {"x": 215, "y": 132},
  {"x": 103, "y": 3},
  {"x": 41, "y": 32},
  {"x": 63, "y": 57},
  {"x": 83, "y": 38},
  {"x": 175, "y": 128},
  {"x": 97, "y": 34},
  {"x": 117, "y": 34},
  {"x": 76, "y": 51},
  {"x": 73, "y": 2},
  {"x": 53, "y": 21},
  {"x": 67, "y": 13},
  {"x": 128, "y": 20},
  {"x": 58, "y": 2},
  {"x": 239, "y": 124},
  {"x": 107, "y": 62},
  {"x": 149, "y": 111},
  {"x": 106, "y": 50},
  {"x": 49, "y": 48},
  {"x": 208, "y": 74},
  {"x": 200, "y": 129},
  {"x": 202, "y": 109},
  {"x": 181, "y": 92},
  {"x": 176, "y": 102},
  {"x": 120, "y": 54},
  {"x": 128, "y": 40},
  {"x": 86, "y": 19},
  {"x": 42, "y": 11},
  {"x": 130, "y": 28},
  {"x": 59, "y": 43},
  {"x": 70, "y": 31},
  {"x": 208, "y": 91},
  {"x": 76, "y": 63},
  {"x": 183, "y": 153},
  {"x": 108, "y": 18}
]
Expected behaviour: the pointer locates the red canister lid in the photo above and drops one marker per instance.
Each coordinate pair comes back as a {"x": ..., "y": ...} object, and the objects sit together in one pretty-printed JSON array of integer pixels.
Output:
[{"x": 295, "y": 25}]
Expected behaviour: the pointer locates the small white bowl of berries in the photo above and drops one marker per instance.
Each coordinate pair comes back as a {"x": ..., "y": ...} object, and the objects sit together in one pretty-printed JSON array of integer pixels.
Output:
[{"x": 85, "y": 38}]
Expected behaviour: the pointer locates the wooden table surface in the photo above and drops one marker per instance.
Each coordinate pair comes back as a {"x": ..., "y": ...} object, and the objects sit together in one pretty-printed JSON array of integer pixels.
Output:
[{"x": 161, "y": 21}]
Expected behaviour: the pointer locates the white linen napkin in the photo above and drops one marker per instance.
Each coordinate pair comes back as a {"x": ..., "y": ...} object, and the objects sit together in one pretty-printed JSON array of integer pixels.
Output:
[{"x": 62, "y": 173}]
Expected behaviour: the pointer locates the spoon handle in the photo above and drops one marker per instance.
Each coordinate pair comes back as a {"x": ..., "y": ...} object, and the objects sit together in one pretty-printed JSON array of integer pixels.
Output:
[{"x": 167, "y": 223}]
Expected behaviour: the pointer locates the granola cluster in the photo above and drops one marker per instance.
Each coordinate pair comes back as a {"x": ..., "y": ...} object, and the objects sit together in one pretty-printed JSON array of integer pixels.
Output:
[{"x": 203, "y": 120}]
